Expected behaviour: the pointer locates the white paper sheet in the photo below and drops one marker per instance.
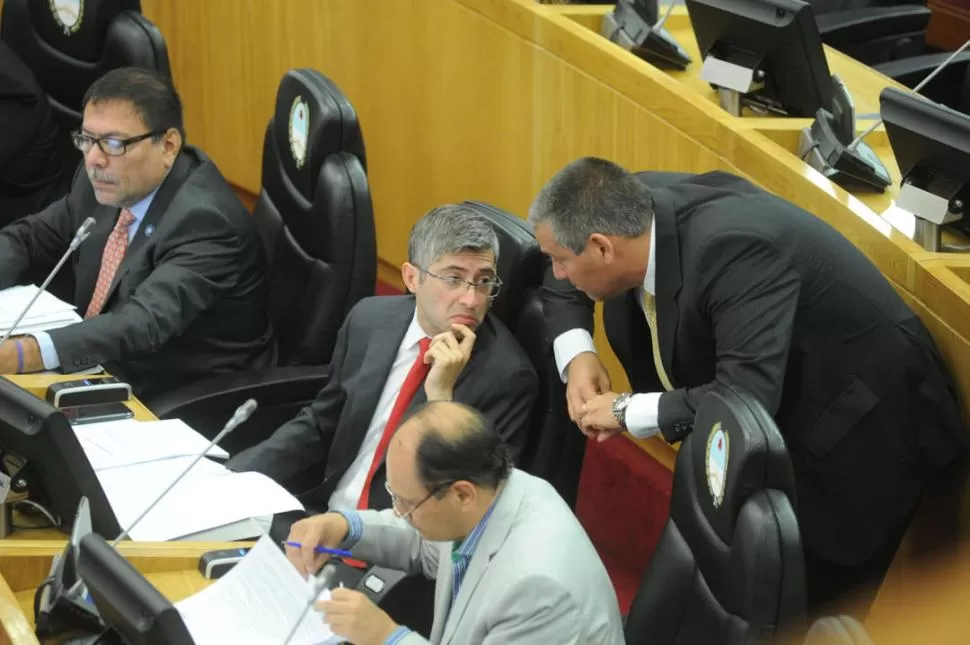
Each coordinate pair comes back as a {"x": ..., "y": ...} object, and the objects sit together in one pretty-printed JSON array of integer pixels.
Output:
[
  {"x": 209, "y": 496},
  {"x": 256, "y": 603},
  {"x": 47, "y": 313},
  {"x": 128, "y": 442}
]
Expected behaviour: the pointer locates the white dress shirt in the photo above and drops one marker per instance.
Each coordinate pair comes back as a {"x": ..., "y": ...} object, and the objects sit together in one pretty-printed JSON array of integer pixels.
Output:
[
  {"x": 641, "y": 413},
  {"x": 351, "y": 485},
  {"x": 47, "y": 352}
]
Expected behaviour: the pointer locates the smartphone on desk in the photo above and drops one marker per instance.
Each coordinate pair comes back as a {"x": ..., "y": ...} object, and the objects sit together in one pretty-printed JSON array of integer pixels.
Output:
[{"x": 97, "y": 413}]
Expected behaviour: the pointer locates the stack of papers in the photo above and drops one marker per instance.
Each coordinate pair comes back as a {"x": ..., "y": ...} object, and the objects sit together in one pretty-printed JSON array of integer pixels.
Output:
[
  {"x": 136, "y": 461},
  {"x": 258, "y": 601},
  {"x": 47, "y": 313}
]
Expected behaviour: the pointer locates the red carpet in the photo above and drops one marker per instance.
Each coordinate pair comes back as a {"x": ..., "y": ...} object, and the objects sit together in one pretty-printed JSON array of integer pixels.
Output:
[{"x": 624, "y": 497}]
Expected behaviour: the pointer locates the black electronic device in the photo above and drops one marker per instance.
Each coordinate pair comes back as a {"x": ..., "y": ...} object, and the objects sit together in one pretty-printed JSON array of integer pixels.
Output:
[
  {"x": 88, "y": 391},
  {"x": 42, "y": 456},
  {"x": 215, "y": 564},
  {"x": 125, "y": 600},
  {"x": 634, "y": 25},
  {"x": 97, "y": 413},
  {"x": 763, "y": 54}
]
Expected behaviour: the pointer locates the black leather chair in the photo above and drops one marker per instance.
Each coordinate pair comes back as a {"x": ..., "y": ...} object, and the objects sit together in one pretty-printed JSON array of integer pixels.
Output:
[
  {"x": 555, "y": 448},
  {"x": 729, "y": 567},
  {"x": 315, "y": 218},
  {"x": 951, "y": 86},
  {"x": 68, "y": 52},
  {"x": 873, "y": 31}
]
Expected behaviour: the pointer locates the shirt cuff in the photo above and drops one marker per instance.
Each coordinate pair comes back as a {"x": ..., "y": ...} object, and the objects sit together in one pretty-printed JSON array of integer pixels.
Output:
[
  {"x": 356, "y": 529},
  {"x": 568, "y": 345},
  {"x": 397, "y": 636},
  {"x": 47, "y": 352},
  {"x": 641, "y": 414}
]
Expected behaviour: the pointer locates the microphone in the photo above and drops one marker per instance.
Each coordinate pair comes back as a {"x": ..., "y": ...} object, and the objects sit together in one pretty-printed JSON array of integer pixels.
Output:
[
  {"x": 82, "y": 234},
  {"x": 242, "y": 413},
  {"x": 320, "y": 582},
  {"x": 855, "y": 142}
]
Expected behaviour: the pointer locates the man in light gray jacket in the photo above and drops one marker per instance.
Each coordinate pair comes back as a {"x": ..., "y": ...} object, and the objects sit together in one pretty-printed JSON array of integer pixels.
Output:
[{"x": 511, "y": 562}]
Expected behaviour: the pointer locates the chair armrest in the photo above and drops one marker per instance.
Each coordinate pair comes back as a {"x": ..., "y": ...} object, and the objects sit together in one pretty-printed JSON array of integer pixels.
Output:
[
  {"x": 206, "y": 405},
  {"x": 910, "y": 71},
  {"x": 839, "y": 28}
]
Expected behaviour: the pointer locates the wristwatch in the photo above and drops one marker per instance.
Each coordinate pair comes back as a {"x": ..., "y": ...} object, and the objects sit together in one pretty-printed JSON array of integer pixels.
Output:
[{"x": 620, "y": 404}]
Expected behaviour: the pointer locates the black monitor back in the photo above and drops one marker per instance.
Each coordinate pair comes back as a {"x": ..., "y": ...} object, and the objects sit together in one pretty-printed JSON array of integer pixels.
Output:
[
  {"x": 778, "y": 37},
  {"x": 37, "y": 442},
  {"x": 126, "y": 601}
]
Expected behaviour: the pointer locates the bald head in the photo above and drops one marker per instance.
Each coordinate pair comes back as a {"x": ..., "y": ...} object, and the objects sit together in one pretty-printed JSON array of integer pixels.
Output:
[{"x": 448, "y": 442}]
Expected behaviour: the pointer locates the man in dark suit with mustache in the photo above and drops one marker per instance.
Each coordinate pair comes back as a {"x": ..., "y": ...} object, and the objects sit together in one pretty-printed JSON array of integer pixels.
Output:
[
  {"x": 170, "y": 281},
  {"x": 707, "y": 279}
]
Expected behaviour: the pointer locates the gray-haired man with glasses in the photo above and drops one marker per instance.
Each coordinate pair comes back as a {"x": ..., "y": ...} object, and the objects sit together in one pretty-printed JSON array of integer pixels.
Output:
[{"x": 395, "y": 352}]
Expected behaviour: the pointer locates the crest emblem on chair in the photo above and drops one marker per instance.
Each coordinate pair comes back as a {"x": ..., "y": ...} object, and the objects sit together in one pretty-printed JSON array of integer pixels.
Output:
[
  {"x": 68, "y": 14},
  {"x": 717, "y": 463},
  {"x": 299, "y": 130}
]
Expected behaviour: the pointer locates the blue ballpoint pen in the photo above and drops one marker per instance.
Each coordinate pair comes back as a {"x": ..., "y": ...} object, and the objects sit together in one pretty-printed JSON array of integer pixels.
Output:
[{"x": 320, "y": 549}]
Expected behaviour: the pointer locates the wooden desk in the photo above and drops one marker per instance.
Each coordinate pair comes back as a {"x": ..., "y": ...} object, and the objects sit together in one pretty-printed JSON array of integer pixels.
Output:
[{"x": 172, "y": 567}]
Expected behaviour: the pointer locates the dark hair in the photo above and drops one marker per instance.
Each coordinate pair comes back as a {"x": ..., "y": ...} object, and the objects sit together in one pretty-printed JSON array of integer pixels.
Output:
[
  {"x": 593, "y": 195},
  {"x": 474, "y": 453},
  {"x": 153, "y": 96}
]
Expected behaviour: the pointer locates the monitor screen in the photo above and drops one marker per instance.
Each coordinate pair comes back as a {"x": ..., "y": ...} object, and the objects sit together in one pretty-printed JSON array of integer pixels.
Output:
[
  {"x": 126, "y": 601},
  {"x": 39, "y": 446},
  {"x": 777, "y": 38}
]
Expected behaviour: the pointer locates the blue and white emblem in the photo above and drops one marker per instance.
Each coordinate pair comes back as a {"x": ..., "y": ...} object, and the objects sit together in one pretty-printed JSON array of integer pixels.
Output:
[
  {"x": 68, "y": 14},
  {"x": 717, "y": 463},
  {"x": 299, "y": 130},
  {"x": 149, "y": 230}
]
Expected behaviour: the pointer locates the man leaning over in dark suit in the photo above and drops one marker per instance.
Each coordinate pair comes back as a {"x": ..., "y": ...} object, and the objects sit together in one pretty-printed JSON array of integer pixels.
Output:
[
  {"x": 33, "y": 172},
  {"x": 170, "y": 280},
  {"x": 395, "y": 352},
  {"x": 707, "y": 280}
]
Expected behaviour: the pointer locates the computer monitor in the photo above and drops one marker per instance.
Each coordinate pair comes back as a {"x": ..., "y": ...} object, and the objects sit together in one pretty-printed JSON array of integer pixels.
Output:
[
  {"x": 633, "y": 25},
  {"x": 931, "y": 144},
  {"x": 42, "y": 455},
  {"x": 127, "y": 602},
  {"x": 766, "y": 54}
]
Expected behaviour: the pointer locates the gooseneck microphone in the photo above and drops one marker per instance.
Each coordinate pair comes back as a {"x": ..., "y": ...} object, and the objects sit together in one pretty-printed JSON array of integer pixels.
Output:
[
  {"x": 82, "y": 234},
  {"x": 242, "y": 413}
]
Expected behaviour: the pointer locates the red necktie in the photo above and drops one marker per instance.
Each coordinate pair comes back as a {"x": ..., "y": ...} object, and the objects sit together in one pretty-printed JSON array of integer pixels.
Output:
[
  {"x": 114, "y": 252},
  {"x": 412, "y": 382}
]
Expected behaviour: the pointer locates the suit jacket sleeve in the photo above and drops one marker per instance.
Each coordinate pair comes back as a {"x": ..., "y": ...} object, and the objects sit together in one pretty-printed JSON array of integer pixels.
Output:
[
  {"x": 38, "y": 240},
  {"x": 196, "y": 263},
  {"x": 303, "y": 443},
  {"x": 565, "y": 306},
  {"x": 508, "y": 406},
  {"x": 750, "y": 298},
  {"x": 389, "y": 541}
]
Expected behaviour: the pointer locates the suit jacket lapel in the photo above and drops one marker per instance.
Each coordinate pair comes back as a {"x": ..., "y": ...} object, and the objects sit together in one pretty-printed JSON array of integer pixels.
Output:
[
  {"x": 669, "y": 278},
  {"x": 160, "y": 203},
  {"x": 89, "y": 255},
  {"x": 499, "y": 526}
]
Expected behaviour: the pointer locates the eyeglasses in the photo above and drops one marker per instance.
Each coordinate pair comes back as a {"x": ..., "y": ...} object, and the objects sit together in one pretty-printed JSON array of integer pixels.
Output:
[
  {"x": 111, "y": 146},
  {"x": 488, "y": 287},
  {"x": 399, "y": 504}
]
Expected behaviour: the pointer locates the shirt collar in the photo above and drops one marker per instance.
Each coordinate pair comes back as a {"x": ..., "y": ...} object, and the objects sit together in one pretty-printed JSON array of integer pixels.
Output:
[
  {"x": 139, "y": 210},
  {"x": 414, "y": 333},
  {"x": 467, "y": 548},
  {"x": 650, "y": 280}
]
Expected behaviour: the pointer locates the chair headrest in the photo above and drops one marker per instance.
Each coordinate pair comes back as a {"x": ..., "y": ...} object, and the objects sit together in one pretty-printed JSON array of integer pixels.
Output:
[
  {"x": 519, "y": 261},
  {"x": 735, "y": 450},
  {"x": 313, "y": 119},
  {"x": 75, "y": 28}
]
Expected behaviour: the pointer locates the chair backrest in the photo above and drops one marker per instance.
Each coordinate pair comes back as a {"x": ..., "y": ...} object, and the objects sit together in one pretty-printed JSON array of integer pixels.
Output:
[
  {"x": 555, "y": 448},
  {"x": 69, "y": 44},
  {"x": 729, "y": 566},
  {"x": 314, "y": 216}
]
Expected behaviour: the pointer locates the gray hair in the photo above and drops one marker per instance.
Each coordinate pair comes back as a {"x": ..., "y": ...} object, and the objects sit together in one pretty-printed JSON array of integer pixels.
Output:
[
  {"x": 447, "y": 229},
  {"x": 593, "y": 195}
]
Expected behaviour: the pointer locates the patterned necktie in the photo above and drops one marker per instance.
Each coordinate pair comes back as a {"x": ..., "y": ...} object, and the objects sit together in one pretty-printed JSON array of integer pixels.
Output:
[
  {"x": 412, "y": 382},
  {"x": 650, "y": 311},
  {"x": 114, "y": 253}
]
